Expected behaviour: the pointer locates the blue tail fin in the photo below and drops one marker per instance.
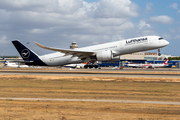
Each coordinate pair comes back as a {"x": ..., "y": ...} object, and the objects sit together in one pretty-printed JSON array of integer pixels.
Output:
[
  {"x": 4, "y": 61},
  {"x": 27, "y": 54},
  {"x": 126, "y": 62}
]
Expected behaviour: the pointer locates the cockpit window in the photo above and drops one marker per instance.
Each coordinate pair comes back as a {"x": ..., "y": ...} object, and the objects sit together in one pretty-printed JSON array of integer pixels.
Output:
[{"x": 160, "y": 38}]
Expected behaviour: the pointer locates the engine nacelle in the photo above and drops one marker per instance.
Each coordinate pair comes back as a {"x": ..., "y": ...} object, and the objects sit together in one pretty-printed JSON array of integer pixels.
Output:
[{"x": 104, "y": 55}]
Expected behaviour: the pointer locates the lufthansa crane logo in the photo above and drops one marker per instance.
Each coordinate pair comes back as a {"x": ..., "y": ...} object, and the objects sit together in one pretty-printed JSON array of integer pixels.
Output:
[{"x": 25, "y": 53}]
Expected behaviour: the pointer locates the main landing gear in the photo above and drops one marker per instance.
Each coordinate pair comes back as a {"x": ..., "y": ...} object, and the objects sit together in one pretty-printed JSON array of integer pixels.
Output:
[{"x": 91, "y": 65}]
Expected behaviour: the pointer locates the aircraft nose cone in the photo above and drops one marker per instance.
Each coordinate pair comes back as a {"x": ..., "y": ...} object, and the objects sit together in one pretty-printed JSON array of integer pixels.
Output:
[{"x": 166, "y": 42}]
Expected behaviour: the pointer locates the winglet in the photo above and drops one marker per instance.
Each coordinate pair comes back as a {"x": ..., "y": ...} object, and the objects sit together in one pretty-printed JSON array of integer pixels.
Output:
[
  {"x": 39, "y": 45},
  {"x": 48, "y": 48}
]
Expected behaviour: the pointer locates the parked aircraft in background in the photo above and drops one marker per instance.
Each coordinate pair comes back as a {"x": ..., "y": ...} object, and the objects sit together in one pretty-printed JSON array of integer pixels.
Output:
[
  {"x": 147, "y": 65},
  {"x": 101, "y": 52},
  {"x": 78, "y": 66},
  {"x": 13, "y": 64}
]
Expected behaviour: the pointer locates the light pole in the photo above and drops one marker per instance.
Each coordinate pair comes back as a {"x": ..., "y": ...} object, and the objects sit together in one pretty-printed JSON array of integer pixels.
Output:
[
  {"x": 28, "y": 44},
  {"x": 2, "y": 54}
]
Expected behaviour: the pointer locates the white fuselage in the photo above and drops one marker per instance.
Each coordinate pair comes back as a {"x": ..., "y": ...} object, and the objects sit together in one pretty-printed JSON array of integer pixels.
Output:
[
  {"x": 147, "y": 65},
  {"x": 15, "y": 65},
  {"x": 119, "y": 48},
  {"x": 81, "y": 65}
]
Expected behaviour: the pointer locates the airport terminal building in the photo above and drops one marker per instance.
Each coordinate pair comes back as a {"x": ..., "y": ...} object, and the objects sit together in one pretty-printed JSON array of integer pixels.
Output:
[{"x": 141, "y": 57}]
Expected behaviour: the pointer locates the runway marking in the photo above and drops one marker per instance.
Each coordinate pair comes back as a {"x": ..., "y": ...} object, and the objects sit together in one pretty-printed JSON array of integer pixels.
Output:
[
  {"x": 94, "y": 100},
  {"x": 91, "y": 73}
]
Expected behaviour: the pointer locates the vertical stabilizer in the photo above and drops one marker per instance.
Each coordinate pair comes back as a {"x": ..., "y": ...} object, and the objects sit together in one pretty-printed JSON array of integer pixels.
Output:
[
  {"x": 5, "y": 62},
  {"x": 27, "y": 54},
  {"x": 126, "y": 62},
  {"x": 165, "y": 62}
]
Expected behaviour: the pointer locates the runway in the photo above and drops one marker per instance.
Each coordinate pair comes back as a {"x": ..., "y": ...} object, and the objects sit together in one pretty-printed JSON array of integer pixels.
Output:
[
  {"x": 105, "y": 92},
  {"x": 158, "y": 73},
  {"x": 93, "y": 100}
]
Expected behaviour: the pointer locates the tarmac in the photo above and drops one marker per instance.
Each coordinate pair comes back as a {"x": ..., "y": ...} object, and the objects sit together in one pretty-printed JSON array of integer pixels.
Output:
[
  {"x": 104, "y": 72},
  {"x": 93, "y": 100},
  {"x": 107, "y": 72}
]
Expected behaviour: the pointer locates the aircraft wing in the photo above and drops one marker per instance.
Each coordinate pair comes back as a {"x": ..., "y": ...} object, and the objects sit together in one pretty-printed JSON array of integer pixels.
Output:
[{"x": 75, "y": 53}]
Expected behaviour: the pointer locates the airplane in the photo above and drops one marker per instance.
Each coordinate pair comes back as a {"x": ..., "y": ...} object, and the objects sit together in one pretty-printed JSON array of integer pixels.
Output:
[
  {"x": 13, "y": 64},
  {"x": 78, "y": 66},
  {"x": 147, "y": 65},
  {"x": 101, "y": 52}
]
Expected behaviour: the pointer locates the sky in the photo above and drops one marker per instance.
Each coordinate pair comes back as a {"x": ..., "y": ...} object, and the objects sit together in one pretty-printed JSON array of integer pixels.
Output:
[{"x": 58, "y": 23}]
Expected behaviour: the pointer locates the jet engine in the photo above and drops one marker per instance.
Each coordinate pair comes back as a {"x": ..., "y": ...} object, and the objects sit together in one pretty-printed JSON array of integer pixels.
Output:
[{"x": 104, "y": 55}]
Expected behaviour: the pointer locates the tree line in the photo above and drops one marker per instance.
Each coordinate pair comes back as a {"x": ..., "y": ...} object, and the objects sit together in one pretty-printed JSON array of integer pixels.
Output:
[{"x": 173, "y": 58}]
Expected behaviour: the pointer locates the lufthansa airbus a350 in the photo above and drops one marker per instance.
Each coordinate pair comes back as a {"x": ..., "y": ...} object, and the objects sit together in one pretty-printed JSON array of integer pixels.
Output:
[{"x": 102, "y": 52}]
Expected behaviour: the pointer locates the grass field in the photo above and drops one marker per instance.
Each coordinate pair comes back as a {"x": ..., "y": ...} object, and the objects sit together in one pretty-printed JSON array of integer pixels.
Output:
[{"x": 147, "y": 89}]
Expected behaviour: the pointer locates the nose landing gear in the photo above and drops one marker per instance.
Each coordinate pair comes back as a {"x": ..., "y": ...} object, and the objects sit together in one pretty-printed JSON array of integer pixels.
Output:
[{"x": 159, "y": 54}]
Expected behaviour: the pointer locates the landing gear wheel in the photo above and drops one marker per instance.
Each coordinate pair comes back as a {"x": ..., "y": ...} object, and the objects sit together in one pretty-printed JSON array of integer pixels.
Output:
[{"x": 91, "y": 65}]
